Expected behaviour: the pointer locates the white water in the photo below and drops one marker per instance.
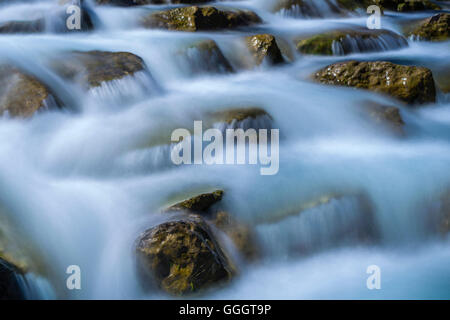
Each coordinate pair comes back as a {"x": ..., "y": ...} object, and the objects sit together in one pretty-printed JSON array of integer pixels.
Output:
[{"x": 80, "y": 186}]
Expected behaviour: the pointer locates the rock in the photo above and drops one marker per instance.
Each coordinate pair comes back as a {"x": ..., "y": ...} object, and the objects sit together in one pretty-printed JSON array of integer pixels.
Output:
[
  {"x": 240, "y": 233},
  {"x": 10, "y": 282},
  {"x": 182, "y": 257},
  {"x": 33, "y": 26},
  {"x": 263, "y": 47},
  {"x": 343, "y": 42},
  {"x": 206, "y": 56},
  {"x": 21, "y": 95},
  {"x": 435, "y": 28},
  {"x": 305, "y": 8},
  {"x": 392, "y": 5},
  {"x": 239, "y": 114},
  {"x": 127, "y": 3},
  {"x": 413, "y": 85},
  {"x": 199, "y": 19},
  {"x": 200, "y": 203},
  {"x": 92, "y": 68},
  {"x": 385, "y": 115}
]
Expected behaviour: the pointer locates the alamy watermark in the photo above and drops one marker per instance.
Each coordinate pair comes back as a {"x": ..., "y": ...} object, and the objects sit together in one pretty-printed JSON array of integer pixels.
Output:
[
  {"x": 237, "y": 147},
  {"x": 374, "y": 20},
  {"x": 374, "y": 280}
]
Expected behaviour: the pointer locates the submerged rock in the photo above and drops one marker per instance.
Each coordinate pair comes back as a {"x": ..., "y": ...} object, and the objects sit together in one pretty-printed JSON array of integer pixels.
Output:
[
  {"x": 32, "y": 26},
  {"x": 413, "y": 85},
  {"x": 435, "y": 28},
  {"x": 343, "y": 42},
  {"x": 238, "y": 114},
  {"x": 263, "y": 47},
  {"x": 200, "y": 19},
  {"x": 10, "y": 283},
  {"x": 182, "y": 257},
  {"x": 387, "y": 116},
  {"x": 239, "y": 232},
  {"x": 92, "y": 68},
  {"x": 21, "y": 94},
  {"x": 206, "y": 56}
]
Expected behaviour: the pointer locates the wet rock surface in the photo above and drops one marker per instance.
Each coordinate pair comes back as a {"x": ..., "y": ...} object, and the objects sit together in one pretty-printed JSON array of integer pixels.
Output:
[
  {"x": 200, "y": 19},
  {"x": 263, "y": 47},
  {"x": 21, "y": 94},
  {"x": 410, "y": 84},
  {"x": 435, "y": 28},
  {"x": 182, "y": 256}
]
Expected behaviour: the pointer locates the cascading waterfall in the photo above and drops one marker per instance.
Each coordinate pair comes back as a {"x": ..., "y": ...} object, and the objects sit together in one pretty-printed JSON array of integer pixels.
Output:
[{"x": 80, "y": 181}]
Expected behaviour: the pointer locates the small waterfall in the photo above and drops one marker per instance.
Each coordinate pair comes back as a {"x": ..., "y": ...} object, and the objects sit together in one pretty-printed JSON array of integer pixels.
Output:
[{"x": 359, "y": 44}]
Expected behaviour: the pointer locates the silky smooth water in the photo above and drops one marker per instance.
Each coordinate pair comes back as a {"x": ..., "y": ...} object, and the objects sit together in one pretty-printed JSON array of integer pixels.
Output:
[{"x": 80, "y": 185}]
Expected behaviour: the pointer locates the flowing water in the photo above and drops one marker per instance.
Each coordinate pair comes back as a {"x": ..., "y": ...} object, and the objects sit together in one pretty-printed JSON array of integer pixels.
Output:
[{"x": 80, "y": 185}]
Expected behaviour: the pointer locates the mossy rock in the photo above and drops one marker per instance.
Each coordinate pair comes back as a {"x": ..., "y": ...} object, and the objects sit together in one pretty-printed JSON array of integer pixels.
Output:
[
  {"x": 413, "y": 85},
  {"x": 322, "y": 44},
  {"x": 196, "y": 18},
  {"x": 21, "y": 94},
  {"x": 435, "y": 28},
  {"x": 263, "y": 47},
  {"x": 93, "y": 68},
  {"x": 182, "y": 257},
  {"x": 199, "y": 203},
  {"x": 11, "y": 282},
  {"x": 209, "y": 57},
  {"x": 238, "y": 114}
]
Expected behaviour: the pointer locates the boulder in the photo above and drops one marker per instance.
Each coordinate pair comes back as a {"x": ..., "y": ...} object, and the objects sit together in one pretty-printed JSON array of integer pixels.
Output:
[
  {"x": 92, "y": 68},
  {"x": 206, "y": 56},
  {"x": 195, "y": 18},
  {"x": 21, "y": 94},
  {"x": 182, "y": 257},
  {"x": 413, "y": 85},
  {"x": 341, "y": 42},
  {"x": 435, "y": 28},
  {"x": 263, "y": 47},
  {"x": 32, "y": 26},
  {"x": 239, "y": 232}
]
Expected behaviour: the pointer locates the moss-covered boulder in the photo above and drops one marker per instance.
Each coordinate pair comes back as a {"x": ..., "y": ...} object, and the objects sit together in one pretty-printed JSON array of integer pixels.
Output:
[
  {"x": 11, "y": 282},
  {"x": 435, "y": 28},
  {"x": 182, "y": 257},
  {"x": 341, "y": 42},
  {"x": 92, "y": 68},
  {"x": 21, "y": 94},
  {"x": 264, "y": 48},
  {"x": 200, "y": 19},
  {"x": 206, "y": 56},
  {"x": 413, "y": 85}
]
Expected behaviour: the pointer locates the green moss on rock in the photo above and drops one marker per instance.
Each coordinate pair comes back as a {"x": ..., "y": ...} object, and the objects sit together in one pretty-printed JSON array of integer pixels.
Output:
[
  {"x": 435, "y": 28},
  {"x": 322, "y": 44},
  {"x": 263, "y": 47},
  {"x": 95, "y": 67},
  {"x": 182, "y": 257},
  {"x": 200, "y": 203},
  {"x": 21, "y": 94},
  {"x": 196, "y": 18},
  {"x": 413, "y": 85}
]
